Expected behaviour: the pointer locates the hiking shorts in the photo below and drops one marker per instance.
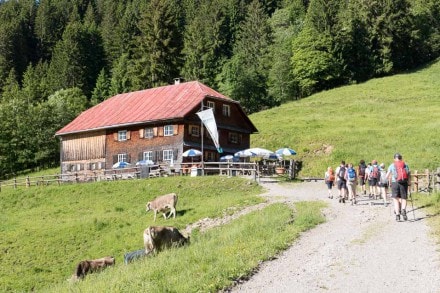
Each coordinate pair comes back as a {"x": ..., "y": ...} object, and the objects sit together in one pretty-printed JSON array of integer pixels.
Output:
[
  {"x": 361, "y": 180},
  {"x": 372, "y": 182},
  {"x": 399, "y": 190},
  {"x": 329, "y": 184},
  {"x": 342, "y": 184}
]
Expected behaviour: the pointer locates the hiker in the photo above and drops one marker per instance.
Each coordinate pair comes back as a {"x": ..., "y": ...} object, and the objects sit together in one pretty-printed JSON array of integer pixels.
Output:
[
  {"x": 340, "y": 181},
  {"x": 361, "y": 175},
  {"x": 383, "y": 183},
  {"x": 373, "y": 179},
  {"x": 329, "y": 178},
  {"x": 400, "y": 180},
  {"x": 351, "y": 178},
  {"x": 367, "y": 176}
]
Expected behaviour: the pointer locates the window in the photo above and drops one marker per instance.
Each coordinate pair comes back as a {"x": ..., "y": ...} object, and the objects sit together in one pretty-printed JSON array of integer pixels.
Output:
[
  {"x": 194, "y": 130},
  {"x": 233, "y": 137},
  {"x": 148, "y": 156},
  {"x": 122, "y": 135},
  {"x": 149, "y": 133},
  {"x": 122, "y": 157},
  {"x": 168, "y": 130},
  {"x": 211, "y": 105},
  {"x": 226, "y": 110},
  {"x": 168, "y": 155},
  {"x": 210, "y": 156}
]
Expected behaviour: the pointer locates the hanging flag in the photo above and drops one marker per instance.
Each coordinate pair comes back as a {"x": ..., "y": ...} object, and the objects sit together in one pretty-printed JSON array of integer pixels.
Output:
[{"x": 207, "y": 117}]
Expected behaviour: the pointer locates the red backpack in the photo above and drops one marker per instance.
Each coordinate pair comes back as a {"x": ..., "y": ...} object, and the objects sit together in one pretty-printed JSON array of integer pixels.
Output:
[
  {"x": 374, "y": 174},
  {"x": 402, "y": 174}
]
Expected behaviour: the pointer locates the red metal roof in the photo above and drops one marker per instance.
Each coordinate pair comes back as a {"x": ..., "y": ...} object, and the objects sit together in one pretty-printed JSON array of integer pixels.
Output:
[{"x": 161, "y": 103}]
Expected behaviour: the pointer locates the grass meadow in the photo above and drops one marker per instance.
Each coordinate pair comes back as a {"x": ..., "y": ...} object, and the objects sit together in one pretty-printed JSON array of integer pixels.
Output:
[
  {"x": 47, "y": 230},
  {"x": 372, "y": 120}
]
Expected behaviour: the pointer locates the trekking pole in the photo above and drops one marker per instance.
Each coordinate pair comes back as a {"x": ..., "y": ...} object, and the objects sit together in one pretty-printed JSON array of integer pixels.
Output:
[{"x": 412, "y": 204}]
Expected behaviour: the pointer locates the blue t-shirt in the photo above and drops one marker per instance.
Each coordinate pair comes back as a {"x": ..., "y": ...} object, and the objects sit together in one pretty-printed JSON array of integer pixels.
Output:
[{"x": 393, "y": 171}]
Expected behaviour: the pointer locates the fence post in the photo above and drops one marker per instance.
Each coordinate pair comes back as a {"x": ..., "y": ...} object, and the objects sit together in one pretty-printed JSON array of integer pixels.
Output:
[
  {"x": 15, "y": 182},
  {"x": 416, "y": 182},
  {"x": 28, "y": 183},
  {"x": 76, "y": 178}
]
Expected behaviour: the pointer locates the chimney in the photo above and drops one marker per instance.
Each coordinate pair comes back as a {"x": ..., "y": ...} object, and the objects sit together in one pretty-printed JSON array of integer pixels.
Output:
[{"x": 177, "y": 80}]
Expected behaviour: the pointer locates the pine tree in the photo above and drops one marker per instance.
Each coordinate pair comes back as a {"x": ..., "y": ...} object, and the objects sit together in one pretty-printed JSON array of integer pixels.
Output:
[
  {"x": 158, "y": 47},
  {"x": 102, "y": 88},
  {"x": 205, "y": 38},
  {"x": 244, "y": 76}
]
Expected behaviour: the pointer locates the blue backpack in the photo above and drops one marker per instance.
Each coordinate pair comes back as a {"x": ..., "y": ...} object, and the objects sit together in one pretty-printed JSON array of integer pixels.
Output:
[{"x": 351, "y": 174}]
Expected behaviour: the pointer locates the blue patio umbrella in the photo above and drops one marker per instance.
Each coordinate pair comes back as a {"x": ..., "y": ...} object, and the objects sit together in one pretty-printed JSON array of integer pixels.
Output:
[
  {"x": 121, "y": 165},
  {"x": 192, "y": 153},
  {"x": 145, "y": 162},
  {"x": 229, "y": 158},
  {"x": 285, "y": 152}
]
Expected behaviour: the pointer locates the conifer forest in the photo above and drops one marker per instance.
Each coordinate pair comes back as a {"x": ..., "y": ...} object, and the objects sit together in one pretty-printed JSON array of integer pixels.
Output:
[{"x": 60, "y": 57}]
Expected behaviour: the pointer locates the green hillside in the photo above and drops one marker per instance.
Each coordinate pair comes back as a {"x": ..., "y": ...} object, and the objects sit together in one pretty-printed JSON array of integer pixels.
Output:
[{"x": 367, "y": 121}]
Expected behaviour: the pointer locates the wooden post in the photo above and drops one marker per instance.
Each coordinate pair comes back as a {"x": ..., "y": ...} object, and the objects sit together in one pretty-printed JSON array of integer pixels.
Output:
[
  {"x": 15, "y": 182},
  {"x": 28, "y": 183},
  {"x": 76, "y": 178},
  {"x": 416, "y": 182}
]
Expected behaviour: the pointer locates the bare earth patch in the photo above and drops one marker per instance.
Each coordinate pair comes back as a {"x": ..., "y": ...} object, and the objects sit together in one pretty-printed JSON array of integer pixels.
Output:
[{"x": 359, "y": 249}]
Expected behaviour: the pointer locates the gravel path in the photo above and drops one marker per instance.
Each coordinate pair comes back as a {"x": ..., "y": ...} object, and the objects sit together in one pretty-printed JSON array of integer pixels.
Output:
[{"x": 359, "y": 249}]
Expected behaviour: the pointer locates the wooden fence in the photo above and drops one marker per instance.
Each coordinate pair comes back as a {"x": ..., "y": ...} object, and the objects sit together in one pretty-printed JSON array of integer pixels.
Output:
[
  {"x": 427, "y": 181},
  {"x": 184, "y": 169}
]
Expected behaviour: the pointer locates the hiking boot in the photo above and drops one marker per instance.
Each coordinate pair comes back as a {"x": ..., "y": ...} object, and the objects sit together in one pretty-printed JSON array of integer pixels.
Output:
[
  {"x": 405, "y": 217},
  {"x": 397, "y": 218},
  {"x": 340, "y": 200},
  {"x": 343, "y": 200}
]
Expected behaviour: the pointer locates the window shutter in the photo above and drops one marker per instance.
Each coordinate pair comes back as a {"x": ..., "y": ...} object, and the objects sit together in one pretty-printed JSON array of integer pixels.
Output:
[
  {"x": 176, "y": 129},
  {"x": 128, "y": 158},
  {"x": 154, "y": 156},
  {"x": 115, "y": 159},
  {"x": 175, "y": 151},
  {"x": 128, "y": 134},
  {"x": 155, "y": 131},
  {"x": 141, "y": 133},
  {"x": 140, "y": 156},
  {"x": 160, "y": 131},
  {"x": 115, "y": 136}
]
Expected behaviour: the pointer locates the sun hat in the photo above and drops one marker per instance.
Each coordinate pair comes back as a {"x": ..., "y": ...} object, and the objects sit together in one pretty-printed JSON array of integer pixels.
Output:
[
  {"x": 382, "y": 165},
  {"x": 397, "y": 156}
]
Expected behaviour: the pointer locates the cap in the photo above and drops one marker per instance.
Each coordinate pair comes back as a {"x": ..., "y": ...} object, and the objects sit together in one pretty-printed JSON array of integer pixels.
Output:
[
  {"x": 382, "y": 165},
  {"x": 397, "y": 156}
]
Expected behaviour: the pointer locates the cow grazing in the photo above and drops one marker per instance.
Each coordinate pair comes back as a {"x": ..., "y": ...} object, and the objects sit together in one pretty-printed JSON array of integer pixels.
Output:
[
  {"x": 163, "y": 204},
  {"x": 157, "y": 238},
  {"x": 91, "y": 266}
]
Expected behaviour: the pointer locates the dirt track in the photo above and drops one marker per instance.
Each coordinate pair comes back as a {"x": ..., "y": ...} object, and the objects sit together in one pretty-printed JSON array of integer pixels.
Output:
[{"x": 359, "y": 249}]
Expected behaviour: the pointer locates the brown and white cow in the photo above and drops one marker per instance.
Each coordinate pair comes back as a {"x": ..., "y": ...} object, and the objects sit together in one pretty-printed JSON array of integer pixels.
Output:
[
  {"x": 157, "y": 238},
  {"x": 91, "y": 266},
  {"x": 163, "y": 204}
]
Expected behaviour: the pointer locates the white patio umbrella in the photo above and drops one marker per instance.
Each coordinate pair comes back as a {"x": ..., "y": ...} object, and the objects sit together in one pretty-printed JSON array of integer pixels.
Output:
[
  {"x": 285, "y": 152},
  {"x": 121, "y": 165},
  {"x": 192, "y": 153}
]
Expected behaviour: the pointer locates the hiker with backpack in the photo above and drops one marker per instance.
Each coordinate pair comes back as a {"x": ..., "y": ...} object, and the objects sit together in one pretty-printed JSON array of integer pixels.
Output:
[
  {"x": 399, "y": 174},
  {"x": 373, "y": 179},
  {"x": 351, "y": 178},
  {"x": 361, "y": 175},
  {"x": 383, "y": 184},
  {"x": 341, "y": 183},
  {"x": 329, "y": 178}
]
